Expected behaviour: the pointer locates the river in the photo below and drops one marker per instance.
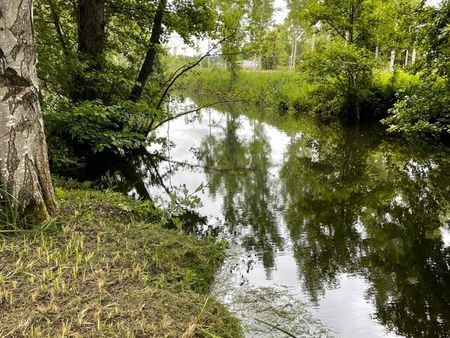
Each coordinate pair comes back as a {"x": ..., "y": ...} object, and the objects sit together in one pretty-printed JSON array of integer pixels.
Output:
[{"x": 334, "y": 231}]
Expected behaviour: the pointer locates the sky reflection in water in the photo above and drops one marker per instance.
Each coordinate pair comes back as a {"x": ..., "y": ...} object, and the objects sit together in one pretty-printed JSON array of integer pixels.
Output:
[{"x": 352, "y": 226}]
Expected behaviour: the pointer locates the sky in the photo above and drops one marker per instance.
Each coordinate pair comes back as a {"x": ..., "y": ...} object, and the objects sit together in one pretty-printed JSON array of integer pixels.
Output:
[{"x": 280, "y": 11}]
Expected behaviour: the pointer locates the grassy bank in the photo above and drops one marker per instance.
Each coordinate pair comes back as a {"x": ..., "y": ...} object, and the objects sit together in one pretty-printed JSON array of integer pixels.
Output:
[
  {"x": 286, "y": 90},
  {"x": 106, "y": 268},
  {"x": 267, "y": 88}
]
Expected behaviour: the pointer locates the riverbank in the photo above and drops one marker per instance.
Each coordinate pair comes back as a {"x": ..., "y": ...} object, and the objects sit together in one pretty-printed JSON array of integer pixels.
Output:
[
  {"x": 107, "y": 268},
  {"x": 294, "y": 92}
]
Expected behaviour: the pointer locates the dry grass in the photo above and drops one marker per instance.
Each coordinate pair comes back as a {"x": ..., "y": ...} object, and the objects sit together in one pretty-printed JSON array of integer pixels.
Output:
[{"x": 103, "y": 273}]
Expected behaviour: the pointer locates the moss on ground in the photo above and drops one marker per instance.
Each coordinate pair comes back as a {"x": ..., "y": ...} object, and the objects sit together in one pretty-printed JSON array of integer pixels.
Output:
[{"x": 101, "y": 271}]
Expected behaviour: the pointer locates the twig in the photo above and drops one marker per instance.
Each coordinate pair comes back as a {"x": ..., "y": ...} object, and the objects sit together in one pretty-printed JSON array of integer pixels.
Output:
[{"x": 276, "y": 327}]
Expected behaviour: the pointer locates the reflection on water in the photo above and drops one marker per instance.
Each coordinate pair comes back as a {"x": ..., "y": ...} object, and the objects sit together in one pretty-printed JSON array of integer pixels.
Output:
[{"x": 354, "y": 225}]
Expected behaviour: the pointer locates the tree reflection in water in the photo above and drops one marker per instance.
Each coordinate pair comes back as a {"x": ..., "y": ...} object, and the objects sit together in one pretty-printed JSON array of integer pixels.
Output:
[
  {"x": 240, "y": 167},
  {"x": 356, "y": 205},
  {"x": 352, "y": 204}
]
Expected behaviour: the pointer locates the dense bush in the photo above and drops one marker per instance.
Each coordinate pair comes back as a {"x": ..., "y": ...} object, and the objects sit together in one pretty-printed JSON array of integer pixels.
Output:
[
  {"x": 76, "y": 131},
  {"x": 424, "y": 109}
]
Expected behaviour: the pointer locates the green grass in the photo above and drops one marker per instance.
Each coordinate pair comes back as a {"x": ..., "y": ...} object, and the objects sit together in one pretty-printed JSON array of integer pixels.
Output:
[
  {"x": 105, "y": 272},
  {"x": 266, "y": 88},
  {"x": 293, "y": 91}
]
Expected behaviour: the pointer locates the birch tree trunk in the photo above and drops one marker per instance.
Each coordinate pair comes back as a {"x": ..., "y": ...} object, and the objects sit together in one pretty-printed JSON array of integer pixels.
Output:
[
  {"x": 294, "y": 53},
  {"x": 392, "y": 63},
  {"x": 313, "y": 41},
  {"x": 24, "y": 169},
  {"x": 413, "y": 57}
]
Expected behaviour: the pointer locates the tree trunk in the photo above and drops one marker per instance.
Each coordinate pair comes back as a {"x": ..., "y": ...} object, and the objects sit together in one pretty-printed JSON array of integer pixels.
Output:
[
  {"x": 91, "y": 28},
  {"x": 91, "y": 43},
  {"x": 294, "y": 49},
  {"x": 24, "y": 165},
  {"x": 406, "y": 58},
  {"x": 413, "y": 56},
  {"x": 59, "y": 31},
  {"x": 392, "y": 63},
  {"x": 313, "y": 41},
  {"x": 150, "y": 57}
]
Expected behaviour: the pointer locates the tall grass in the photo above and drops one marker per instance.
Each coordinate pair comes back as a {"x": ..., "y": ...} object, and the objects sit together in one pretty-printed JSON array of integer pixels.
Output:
[
  {"x": 286, "y": 90},
  {"x": 10, "y": 220}
]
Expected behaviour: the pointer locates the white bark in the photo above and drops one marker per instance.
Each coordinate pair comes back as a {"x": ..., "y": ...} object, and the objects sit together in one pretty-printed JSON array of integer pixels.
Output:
[
  {"x": 291, "y": 58},
  {"x": 24, "y": 169},
  {"x": 313, "y": 41},
  {"x": 406, "y": 58},
  {"x": 413, "y": 56},
  {"x": 377, "y": 51},
  {"x": 294, "y": 49},
  {"x": 392, "y": 63}
]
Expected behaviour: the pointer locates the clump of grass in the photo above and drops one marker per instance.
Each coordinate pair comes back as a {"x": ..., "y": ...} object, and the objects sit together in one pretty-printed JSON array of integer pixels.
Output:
[
  {"x": 106, "y": 273},
  {"x": 10, "y": 220}
]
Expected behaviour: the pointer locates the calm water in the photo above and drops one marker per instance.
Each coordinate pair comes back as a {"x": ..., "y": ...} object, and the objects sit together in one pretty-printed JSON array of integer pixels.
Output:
[{"x": 335, "y": 231}]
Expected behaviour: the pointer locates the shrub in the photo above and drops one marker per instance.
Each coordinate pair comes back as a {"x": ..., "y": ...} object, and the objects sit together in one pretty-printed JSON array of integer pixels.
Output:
[
  {"x": 75, "y": 131},
  {"x": 423, "y": 109}
]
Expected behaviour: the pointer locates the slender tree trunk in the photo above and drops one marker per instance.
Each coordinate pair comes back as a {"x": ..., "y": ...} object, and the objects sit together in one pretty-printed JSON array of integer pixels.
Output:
[
  {"x": 413, "y": 56},
  {"x": 392, "y": 63},
  {"x": 150, "y": 57},
  {"x": 313, "y": 41},
  {"x": 91, "y": 44},
  {"x": 377, "y": 51},
  {"x": 59, "y": 31},
  {"x": 294, "y": 53},
  {"x": 291, "y": 60},
  {"x": 406, "y": 58},
  {"x": 209, "y": 57},
  {"x": 23, "y": 151}
]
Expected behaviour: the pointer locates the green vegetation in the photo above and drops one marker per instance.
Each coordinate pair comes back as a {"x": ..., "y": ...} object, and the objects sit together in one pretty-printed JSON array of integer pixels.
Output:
[
  {"x": 288, "y": 91},
  {"x": 106, "y": 268},
  {"x": 354, "y": 59},
  {"x": 105, "y": 265}
]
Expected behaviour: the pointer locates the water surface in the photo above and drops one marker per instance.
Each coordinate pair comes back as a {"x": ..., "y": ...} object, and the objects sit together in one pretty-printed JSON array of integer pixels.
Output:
[{"x": 334, "y": 230}]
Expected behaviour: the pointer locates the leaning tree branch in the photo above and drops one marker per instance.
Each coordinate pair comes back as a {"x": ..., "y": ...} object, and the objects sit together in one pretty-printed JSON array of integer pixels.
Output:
[
  {"x": 173, "y": 117},
  {"x": 182, "y": 70}
]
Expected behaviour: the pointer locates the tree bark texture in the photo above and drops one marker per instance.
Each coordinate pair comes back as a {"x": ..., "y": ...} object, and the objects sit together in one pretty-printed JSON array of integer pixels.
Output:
[
  {"x": 24, "y": 168},
  {"x": 91, "y": 44},
  {"x": 91, "y": 28},
  {"x": 150, "y": 57}
]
